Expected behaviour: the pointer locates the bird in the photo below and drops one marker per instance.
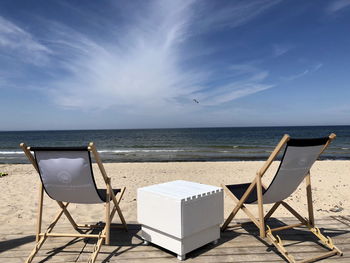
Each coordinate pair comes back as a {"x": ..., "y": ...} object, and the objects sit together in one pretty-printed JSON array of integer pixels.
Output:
[{"x": 196, "y": 101}]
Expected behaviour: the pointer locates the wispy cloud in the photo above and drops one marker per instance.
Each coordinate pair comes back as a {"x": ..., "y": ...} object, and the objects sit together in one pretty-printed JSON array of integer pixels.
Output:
[
  {"x": 232, "y": 15},
  {"x": 22, "y": 44},
  {"x": 312, "y": 69},
  {"x": 142, "y": 67},
  {"x": 246, "y": 79},
  {"x": 337, "y": 5},
  {"x": 280, "y": 49}
]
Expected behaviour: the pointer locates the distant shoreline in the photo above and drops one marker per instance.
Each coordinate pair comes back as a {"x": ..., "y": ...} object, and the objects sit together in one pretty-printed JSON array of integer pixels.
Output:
[{"x": 184, "y": 128}]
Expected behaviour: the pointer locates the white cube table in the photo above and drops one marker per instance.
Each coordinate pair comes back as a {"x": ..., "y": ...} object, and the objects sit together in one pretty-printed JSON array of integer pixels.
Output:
[{"x": 180, "y": 216}]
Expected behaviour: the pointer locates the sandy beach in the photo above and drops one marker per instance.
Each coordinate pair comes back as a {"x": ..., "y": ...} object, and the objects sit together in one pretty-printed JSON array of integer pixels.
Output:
[{"x": 19, "y": 195}]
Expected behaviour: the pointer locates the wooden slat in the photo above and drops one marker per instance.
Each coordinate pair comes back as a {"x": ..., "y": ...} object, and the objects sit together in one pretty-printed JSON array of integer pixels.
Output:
[{"x": 239, "y": 245}]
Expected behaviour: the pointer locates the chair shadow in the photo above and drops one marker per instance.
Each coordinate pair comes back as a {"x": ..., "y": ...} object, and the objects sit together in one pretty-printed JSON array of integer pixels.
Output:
[
  {"x": 119, "y": 238},
  {"x": 199, "y": 251},
  {"x": 13, "y": 243},
  {"x": 125, "y": 241},
  {"x": 295, "y": 236},
  {"x": 60, "y": 249}
]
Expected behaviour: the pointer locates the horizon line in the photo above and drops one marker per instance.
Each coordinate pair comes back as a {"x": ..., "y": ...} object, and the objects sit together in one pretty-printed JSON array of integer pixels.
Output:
[{"x": 168, "y": 128}]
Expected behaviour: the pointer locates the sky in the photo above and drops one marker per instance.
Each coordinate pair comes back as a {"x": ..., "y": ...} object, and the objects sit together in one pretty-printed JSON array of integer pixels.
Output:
[{"x": 172, "y": 64}]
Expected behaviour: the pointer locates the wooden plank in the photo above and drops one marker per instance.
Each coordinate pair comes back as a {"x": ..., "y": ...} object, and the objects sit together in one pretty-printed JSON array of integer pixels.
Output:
[
  {"x": 118, "y": 238},
  {"x": 234, "y": 246},
  {"x": 29, "y": 229}
]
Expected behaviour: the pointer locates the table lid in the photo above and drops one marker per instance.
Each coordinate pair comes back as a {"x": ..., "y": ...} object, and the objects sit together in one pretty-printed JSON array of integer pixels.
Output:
[{"x": 182, "y": 190}]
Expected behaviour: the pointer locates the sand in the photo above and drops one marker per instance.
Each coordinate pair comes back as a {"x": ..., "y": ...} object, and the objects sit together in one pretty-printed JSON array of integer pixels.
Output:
[{"x": 19, "y": 190}]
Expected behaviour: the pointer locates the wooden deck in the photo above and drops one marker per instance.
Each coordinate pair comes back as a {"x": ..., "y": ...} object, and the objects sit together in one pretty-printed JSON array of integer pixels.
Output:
[{"x": 236, "y": 245}]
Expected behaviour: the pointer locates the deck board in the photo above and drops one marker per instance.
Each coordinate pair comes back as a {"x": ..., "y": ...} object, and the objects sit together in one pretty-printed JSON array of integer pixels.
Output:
[{"x": 239, "y": 244}]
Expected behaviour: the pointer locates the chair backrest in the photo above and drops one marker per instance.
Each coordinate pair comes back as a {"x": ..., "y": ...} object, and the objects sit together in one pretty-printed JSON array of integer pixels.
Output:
[
  {"x": 66, "y": 174},
  {"x": 299, "y": 155}
]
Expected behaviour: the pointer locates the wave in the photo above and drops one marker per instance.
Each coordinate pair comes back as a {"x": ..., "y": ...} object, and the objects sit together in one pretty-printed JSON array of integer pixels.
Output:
[
  {"x": 11, "y": 152},
  {"x": 131, "y": 151},
  {"x": 103, "y": 151},
  {"x": 238, "y": 146}
]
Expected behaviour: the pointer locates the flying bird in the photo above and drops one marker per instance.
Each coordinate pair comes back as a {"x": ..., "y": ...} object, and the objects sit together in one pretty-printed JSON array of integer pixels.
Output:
[{"x": 196, "y": 101}]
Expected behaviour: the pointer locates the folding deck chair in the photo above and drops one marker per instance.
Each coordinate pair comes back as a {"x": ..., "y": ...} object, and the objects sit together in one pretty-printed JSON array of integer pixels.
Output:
[
  {"x": 67, "y": 177},
  {"x": 299, "y": 155}
]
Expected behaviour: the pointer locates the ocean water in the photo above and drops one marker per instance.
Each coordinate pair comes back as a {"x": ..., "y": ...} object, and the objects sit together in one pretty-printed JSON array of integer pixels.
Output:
[{"x": 168, "y": 145}]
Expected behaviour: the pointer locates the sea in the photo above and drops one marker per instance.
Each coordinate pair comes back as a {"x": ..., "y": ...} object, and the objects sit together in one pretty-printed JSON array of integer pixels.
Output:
[{"x": 175, "y": 145}]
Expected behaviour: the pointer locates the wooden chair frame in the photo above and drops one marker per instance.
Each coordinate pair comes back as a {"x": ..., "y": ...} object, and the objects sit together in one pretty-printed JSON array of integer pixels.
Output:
[
  {"x": 104, "y": 234},
  {"x": 260, "y": 222}
]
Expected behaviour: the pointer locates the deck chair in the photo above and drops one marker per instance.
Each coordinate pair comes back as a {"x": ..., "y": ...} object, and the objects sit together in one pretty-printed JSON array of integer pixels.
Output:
[
  {"x": 67, "y": 177},
  {"x": 299, "y": 155}
]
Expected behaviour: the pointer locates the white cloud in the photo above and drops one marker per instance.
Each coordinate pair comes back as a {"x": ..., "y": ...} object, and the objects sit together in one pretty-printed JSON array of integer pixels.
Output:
[
  {"x": 250, "y": 83},
  {"x": 298, "y": 75},
  {"x": 303, "y": 73},
  {"x": 316, "y": 67},
  {"x": 338, "y": 5},
  {"x": 233, "y": 15},
  {"x": 141, "y": 68},
  {"x": 22, "y": 43},
  {"x": 279, "y": 49}
]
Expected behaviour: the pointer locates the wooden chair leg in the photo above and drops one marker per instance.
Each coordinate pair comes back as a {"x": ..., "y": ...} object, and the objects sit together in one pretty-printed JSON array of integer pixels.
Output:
[
  {"x": 117, "y": 209},
  {"x": 295, "y": 213},
  {"x": 43, "y": 238},
  {"x": 97, "y": 247},
  {"x": 121, "y": 194},
  {"x": 277, "y": 242},
  {"x": 261, "y": 207},
  {"x": 108, "y": 218},
  {"x": 40, "y": 211},
  {"x": 228, "y": 220},
  {"x": 234, "y": 212},
  {"x": 67, "y": 214},
  {"x": 272, "y": 210},
  {"x": 118, "y": 201},
  {"x": 309, "y": 200},
  {"x": 121, "y": 216},
  {"x": 239, "y": 205},
  {"x": 327, "y": 241}
]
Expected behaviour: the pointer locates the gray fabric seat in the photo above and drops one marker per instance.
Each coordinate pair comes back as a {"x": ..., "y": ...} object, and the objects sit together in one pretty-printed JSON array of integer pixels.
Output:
[
  {"x": 67, "y": 175},
  {"x": 298, "y": 157}
]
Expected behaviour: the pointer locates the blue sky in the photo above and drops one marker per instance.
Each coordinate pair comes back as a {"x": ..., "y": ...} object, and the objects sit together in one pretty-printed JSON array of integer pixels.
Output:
[{"x": 141, "y": 64}]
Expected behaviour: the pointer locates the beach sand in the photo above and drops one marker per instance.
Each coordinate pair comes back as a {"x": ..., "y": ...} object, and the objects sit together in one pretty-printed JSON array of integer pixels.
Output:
[{"x": 19, "y": 190}]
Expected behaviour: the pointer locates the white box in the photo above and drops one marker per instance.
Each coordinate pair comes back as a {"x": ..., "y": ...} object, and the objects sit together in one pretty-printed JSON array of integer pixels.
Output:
[{"x": 180, "y": 215}]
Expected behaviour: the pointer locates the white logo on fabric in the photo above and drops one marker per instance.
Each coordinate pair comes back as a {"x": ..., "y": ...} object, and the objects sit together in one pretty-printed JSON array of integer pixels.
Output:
[
  {"x": 302, "y": 162},
  {"x": 64, "y": 177}
]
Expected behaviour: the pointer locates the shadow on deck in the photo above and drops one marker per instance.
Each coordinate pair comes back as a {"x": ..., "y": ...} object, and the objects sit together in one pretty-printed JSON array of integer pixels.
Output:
[{"x": 236, "y": 245}]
